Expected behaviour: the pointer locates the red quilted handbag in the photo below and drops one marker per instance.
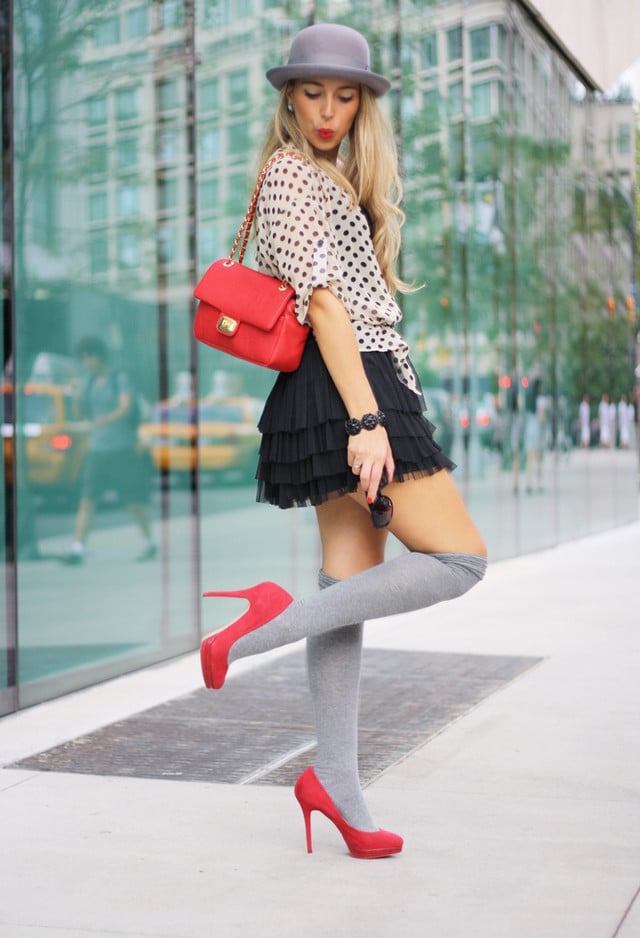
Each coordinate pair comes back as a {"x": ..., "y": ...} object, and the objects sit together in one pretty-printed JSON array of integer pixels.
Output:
[{"x": 248, "y": 314}]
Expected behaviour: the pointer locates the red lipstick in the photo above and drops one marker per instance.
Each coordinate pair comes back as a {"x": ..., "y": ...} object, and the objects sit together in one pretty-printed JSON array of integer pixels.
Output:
[{"x": 325, "y": 133}]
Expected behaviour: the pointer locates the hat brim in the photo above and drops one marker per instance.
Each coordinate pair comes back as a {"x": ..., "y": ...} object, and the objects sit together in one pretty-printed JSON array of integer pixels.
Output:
[{"x": 283, "y": 73}]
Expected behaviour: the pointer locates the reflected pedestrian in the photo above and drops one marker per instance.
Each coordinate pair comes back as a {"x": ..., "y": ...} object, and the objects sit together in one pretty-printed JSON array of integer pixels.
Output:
[
  {"x": 534, "y": 434},
  {"x": 613, "y": 421},
  {"x": 604, "y": 422},
  {"x": 625, "y": 418},
  {"x": 113, "y": 461},
  {"x": 584, "y": 422},
  {"x": 515, "y": 436}
]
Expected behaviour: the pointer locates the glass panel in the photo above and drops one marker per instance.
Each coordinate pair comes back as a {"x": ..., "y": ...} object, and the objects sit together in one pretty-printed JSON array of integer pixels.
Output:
[
  {"x": 218, "y": 12},
  {"x": 209, "y": 145},
  {"x": 127, "y": 104},
  {"x": 168, "y": 144},
  {"x": 128, "y": 250},
  {"x": 168, "y": 244},
  {"x": 8, "y": 697},
  {"x": 429, "y": 51},
  {"x": 167, "y": 193},
  {"x": 97, "y": 159},
  {"x": 624, "y": 138},
  {"x": 97, "y": 110},
  {"x": 234, "y": 527},
  {"x": 238, "y": 97},
  {"x": 208, "y": 95},
  {"x": 127, "y": 153},
  {"x": 208, "y": 195},
  {"x": 171, "y": 13},
  {"x": 520, "y": 221},
  {"x": 526, "y": 306},
  {"x": 137, "y": 21},
  {"x": 127, "y": 201},
  {"x": 480, "y": 43},
  {"x": 98, "y": 206},
  {"x": 107, "y": 31},
  {"x": 238, "y": 144},
  {"x": 454, "y": 43},
  {"x": 455, "y": 99},
  {"x": 168, "y": 95},
  {"x": 99, "y": 255},
  {"x": 103, "y": 299},
  {"x": 481, "y": 99}
]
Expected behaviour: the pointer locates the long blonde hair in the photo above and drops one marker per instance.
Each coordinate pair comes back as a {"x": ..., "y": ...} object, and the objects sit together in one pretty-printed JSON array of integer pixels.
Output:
[{"x": 369, "y": 172}]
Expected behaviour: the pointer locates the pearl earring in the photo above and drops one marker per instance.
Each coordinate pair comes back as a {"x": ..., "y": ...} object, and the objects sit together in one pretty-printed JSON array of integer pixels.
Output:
[{"x": 290, "y": 107}]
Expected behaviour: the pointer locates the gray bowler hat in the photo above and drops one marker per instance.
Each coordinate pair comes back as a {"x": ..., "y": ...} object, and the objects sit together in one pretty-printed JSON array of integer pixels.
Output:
[{"x": 329, "y": 50}]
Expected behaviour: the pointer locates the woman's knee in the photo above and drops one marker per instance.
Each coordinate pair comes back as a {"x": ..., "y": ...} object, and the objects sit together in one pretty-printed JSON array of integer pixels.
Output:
[{"x": 466, "y": 570}]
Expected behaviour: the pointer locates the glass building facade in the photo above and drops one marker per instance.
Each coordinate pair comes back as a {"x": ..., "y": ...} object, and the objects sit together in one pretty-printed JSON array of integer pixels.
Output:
[{"x": 130, "y": 133}]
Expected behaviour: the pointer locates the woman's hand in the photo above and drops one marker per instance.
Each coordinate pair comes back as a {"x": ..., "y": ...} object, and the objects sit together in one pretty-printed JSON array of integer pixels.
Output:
[{"x": 369, "y": 455}]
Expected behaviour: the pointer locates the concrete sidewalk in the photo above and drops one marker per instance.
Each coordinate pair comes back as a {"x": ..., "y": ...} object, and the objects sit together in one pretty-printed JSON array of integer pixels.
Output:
[{"x": 521, "y": 819}]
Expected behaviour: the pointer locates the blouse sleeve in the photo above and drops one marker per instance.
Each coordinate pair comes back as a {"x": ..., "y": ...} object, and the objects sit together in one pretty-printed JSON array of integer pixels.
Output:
[{"x": 294, "y": 237}]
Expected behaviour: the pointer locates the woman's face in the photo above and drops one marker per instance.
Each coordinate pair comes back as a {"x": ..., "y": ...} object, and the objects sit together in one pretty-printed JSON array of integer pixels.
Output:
[{"x": 325, "y": 109}]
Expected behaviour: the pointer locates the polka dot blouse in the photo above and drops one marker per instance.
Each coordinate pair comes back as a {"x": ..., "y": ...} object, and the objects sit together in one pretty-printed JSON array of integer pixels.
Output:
[{"x": 309, "y": 234}]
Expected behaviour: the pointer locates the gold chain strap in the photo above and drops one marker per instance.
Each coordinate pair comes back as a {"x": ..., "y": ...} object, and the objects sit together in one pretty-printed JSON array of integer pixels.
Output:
[{"x": 245, "y": 227}]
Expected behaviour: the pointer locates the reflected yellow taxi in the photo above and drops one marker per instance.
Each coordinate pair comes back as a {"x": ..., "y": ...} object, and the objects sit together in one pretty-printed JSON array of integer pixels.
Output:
[
  {"x": 53, "y": 440},
  {"x": 218, "y": 436}
]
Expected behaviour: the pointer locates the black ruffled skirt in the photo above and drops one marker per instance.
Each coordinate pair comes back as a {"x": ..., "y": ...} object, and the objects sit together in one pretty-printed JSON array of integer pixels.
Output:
[{"x": 303, "y": 452}]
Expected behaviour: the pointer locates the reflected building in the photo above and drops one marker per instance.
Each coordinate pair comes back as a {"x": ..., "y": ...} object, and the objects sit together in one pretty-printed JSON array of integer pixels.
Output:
[{"x": 130, "y": 138}]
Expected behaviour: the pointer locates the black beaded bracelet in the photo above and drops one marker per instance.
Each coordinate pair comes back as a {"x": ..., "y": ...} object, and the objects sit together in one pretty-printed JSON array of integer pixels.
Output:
[{"x": 353, "y": 426}]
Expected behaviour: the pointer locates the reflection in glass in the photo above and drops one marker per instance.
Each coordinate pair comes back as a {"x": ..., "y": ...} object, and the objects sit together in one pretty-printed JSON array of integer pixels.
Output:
[
  {"x": 520, "y": 225},
  {"x": 92, "y": 259}
]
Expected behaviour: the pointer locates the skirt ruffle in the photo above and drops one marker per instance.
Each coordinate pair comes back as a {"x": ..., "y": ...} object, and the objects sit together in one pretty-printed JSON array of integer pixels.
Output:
[{"x": 303, "y": 451}]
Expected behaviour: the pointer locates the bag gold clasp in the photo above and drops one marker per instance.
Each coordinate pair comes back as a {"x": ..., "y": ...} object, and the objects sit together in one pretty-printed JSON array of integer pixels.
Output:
[{"x": 227, "y": 325}]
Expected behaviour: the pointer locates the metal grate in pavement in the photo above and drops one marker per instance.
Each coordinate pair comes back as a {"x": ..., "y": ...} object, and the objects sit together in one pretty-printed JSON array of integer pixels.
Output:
[{"x": 259, "y": 729}]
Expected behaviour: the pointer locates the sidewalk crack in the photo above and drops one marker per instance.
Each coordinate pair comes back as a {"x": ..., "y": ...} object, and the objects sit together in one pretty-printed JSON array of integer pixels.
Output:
[{"x": 626, "y": 913}]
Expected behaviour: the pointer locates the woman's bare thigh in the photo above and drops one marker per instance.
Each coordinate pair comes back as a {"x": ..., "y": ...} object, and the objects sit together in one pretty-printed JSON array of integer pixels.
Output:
[
  {"x": 350, "y": 543},
  {"x": 429, "y": 515}
]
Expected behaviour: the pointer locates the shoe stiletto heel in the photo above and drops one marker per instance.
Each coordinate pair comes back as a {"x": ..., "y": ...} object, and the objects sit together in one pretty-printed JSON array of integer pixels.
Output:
[
  {"x": 306, "y": 811},
  {"x": 266, "y": 601},
  {"x": 364, "y": 845}
]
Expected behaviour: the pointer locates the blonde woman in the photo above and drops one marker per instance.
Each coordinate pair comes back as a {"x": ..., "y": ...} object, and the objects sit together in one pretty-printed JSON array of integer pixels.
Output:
[{"x": 345, "y": 433}]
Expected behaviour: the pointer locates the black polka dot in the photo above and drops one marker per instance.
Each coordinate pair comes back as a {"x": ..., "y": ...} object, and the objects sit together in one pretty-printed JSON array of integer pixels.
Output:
[{"x": 310, "y": 235}]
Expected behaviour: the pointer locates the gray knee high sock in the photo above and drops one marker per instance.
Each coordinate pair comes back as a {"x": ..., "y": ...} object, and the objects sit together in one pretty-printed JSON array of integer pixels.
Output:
[
  {"x": 404, "y": 584},
  {"x": 333, "y": 664}
]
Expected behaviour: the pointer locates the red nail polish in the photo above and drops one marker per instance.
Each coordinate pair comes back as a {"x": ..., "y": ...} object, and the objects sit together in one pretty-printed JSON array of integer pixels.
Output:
[{"x": 369, "y": 500}]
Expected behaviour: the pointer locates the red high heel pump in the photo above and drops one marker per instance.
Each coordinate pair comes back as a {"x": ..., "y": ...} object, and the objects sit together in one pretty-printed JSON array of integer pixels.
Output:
[
  {"x": 365, "y": 845},
  {"x": 266, "y": 601}
]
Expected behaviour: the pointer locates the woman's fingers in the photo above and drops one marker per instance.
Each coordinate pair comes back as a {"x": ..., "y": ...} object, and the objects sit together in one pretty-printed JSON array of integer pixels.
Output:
[
  {"x": 390, "y": 467},
  {"x": 369, "y": 456}
]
